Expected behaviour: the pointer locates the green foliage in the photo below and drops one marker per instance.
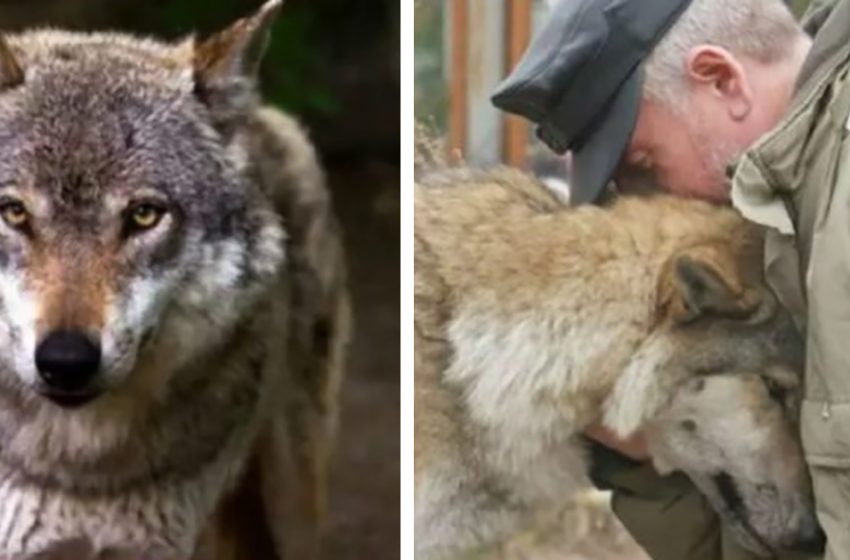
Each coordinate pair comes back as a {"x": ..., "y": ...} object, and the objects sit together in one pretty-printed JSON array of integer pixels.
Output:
[
  {"x": 430, "y": 91},
  {"x": 290, "y": 79},
  {"x": 288, "y": 67},
  {"x": 799, "y": 6}
]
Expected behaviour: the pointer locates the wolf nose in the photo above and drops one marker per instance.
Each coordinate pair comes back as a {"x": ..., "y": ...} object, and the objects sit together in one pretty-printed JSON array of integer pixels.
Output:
[
  {"x": 812, "y": 542},
  {"x": 67, "y": 361}
]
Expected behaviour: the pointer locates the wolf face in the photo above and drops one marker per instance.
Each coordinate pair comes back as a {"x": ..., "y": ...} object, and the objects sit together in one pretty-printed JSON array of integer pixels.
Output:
[
  {"x": 133, "y": 237},
  {"x": 729, "y": 422},
  {"x": 731, "y": 434}
]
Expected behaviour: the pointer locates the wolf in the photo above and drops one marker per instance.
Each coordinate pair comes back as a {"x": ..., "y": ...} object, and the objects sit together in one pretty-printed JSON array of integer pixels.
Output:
[
  {"x": 534, "y": 320},
  {"x": 173, "y": 308}
]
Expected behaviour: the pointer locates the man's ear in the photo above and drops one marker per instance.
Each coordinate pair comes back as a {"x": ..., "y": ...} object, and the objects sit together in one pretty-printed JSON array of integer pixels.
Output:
[
  {"x": 225, "y": 65},
  {"x": 717, "y": 68},
  {"x": 702, "y": 281}
]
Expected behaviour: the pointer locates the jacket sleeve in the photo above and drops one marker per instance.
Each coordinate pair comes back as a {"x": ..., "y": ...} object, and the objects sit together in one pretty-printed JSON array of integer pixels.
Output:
[{"x": 815, "y": 13}]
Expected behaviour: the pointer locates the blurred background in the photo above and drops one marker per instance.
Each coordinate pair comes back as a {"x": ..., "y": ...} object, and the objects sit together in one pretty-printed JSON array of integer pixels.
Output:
[{"x": 335, "y": 65}]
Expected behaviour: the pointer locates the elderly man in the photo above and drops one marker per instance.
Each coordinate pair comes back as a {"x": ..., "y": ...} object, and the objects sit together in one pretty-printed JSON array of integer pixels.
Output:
[{"x": 677, "y": 90}]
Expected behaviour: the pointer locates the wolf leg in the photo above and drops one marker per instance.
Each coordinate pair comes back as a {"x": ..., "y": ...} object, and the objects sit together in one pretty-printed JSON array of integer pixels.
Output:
[
  {"x": 290, "y": 492},
  {"x": 295, "y": 453}
]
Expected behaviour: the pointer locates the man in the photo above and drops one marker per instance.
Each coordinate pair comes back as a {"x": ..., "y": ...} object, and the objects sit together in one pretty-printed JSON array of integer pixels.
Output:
[{"x": 677, "y": 90}]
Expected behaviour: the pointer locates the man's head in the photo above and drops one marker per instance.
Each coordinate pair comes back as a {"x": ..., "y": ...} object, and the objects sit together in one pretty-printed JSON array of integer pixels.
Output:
[
  {"x": 706, "y": 79},
  {"x": 720, "y": 78}
]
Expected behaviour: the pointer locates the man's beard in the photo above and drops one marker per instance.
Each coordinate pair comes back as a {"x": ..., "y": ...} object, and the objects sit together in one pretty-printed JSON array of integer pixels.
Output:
[{"x": 716, "y": 155}]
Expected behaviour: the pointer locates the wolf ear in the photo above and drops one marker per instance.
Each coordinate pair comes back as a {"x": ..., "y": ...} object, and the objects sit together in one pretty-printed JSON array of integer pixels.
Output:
[
  {"x": 11, "y": 73},
  {"x": 703, "y": 281},
  {"x": 226, "y": 64}
]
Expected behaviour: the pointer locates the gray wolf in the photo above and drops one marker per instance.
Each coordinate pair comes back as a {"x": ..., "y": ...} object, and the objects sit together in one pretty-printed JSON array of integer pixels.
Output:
[
  {"x": 534, "y": 320},
  {"x": 174, "y": 314}
]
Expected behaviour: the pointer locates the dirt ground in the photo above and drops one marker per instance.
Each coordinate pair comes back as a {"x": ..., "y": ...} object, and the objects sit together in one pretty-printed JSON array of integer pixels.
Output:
[
  {"x": 364, "y": 490},
  {"x": 586, "y": 529}
]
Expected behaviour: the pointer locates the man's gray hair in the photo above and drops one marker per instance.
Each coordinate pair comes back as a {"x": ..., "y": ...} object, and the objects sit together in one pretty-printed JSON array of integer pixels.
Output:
[{"x": 764, "y": 30}]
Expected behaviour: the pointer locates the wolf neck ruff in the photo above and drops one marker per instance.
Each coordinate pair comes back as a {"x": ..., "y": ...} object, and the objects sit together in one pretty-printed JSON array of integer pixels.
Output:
[{"x": 580, "y": 81}]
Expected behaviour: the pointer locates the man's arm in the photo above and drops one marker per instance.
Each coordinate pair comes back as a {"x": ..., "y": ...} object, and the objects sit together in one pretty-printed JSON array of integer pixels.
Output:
[{"x": 633, "y": 447}]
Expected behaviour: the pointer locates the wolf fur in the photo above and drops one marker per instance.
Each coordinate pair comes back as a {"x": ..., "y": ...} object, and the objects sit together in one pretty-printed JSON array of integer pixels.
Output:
[
  {"x": 222, "y": 328},
  {"x": 534, "y": 321}
]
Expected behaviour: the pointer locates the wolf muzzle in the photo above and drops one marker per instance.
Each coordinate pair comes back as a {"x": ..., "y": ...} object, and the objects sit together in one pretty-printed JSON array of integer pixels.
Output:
[{"x": 68, "y": 362}]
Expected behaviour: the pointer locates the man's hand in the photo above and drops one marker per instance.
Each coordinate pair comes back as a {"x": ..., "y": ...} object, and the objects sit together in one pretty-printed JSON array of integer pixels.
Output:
[{"x": 634, "y": 447}]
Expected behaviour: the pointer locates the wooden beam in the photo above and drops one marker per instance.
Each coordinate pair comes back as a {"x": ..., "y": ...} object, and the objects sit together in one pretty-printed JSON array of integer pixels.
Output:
[
  {"x": 485, "y": 42},
  {"x": 518, "y": 31},
  {"x": 459, "y": 73}
]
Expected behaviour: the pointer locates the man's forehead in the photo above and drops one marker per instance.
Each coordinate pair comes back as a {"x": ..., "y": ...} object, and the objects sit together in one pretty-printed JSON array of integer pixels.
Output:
[
  {"x": 639, "y": 141},
  {"x": 647, "y": 117},
  {"x": 654, "y": 124},
  {"x": 629, "y": 173},
  {"x": 632, "y": 178}
]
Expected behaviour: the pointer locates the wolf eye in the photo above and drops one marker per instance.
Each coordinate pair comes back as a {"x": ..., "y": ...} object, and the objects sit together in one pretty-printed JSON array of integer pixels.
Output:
[
  {"x": 144, "y": 216},
  {"x": 14, "y": 214}
]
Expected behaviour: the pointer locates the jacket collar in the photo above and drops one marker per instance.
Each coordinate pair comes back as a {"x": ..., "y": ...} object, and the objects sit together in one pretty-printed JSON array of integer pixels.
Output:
[{"x": 772, "y": 167}]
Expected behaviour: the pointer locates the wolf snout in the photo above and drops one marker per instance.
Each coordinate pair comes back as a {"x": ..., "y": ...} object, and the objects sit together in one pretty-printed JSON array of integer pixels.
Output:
[
  {"x": 68, "y": 362},
  {"x": 811, "y": 539}
]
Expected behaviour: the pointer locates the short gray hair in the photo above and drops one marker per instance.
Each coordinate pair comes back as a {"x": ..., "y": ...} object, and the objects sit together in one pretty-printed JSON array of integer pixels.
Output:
[{"x": 764, "y": 30}]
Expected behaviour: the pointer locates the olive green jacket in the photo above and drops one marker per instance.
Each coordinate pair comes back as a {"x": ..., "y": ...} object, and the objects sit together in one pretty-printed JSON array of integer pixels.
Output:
[
  {"x": 768, "y": 183},
  {"x": 796, "y": 181}
]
